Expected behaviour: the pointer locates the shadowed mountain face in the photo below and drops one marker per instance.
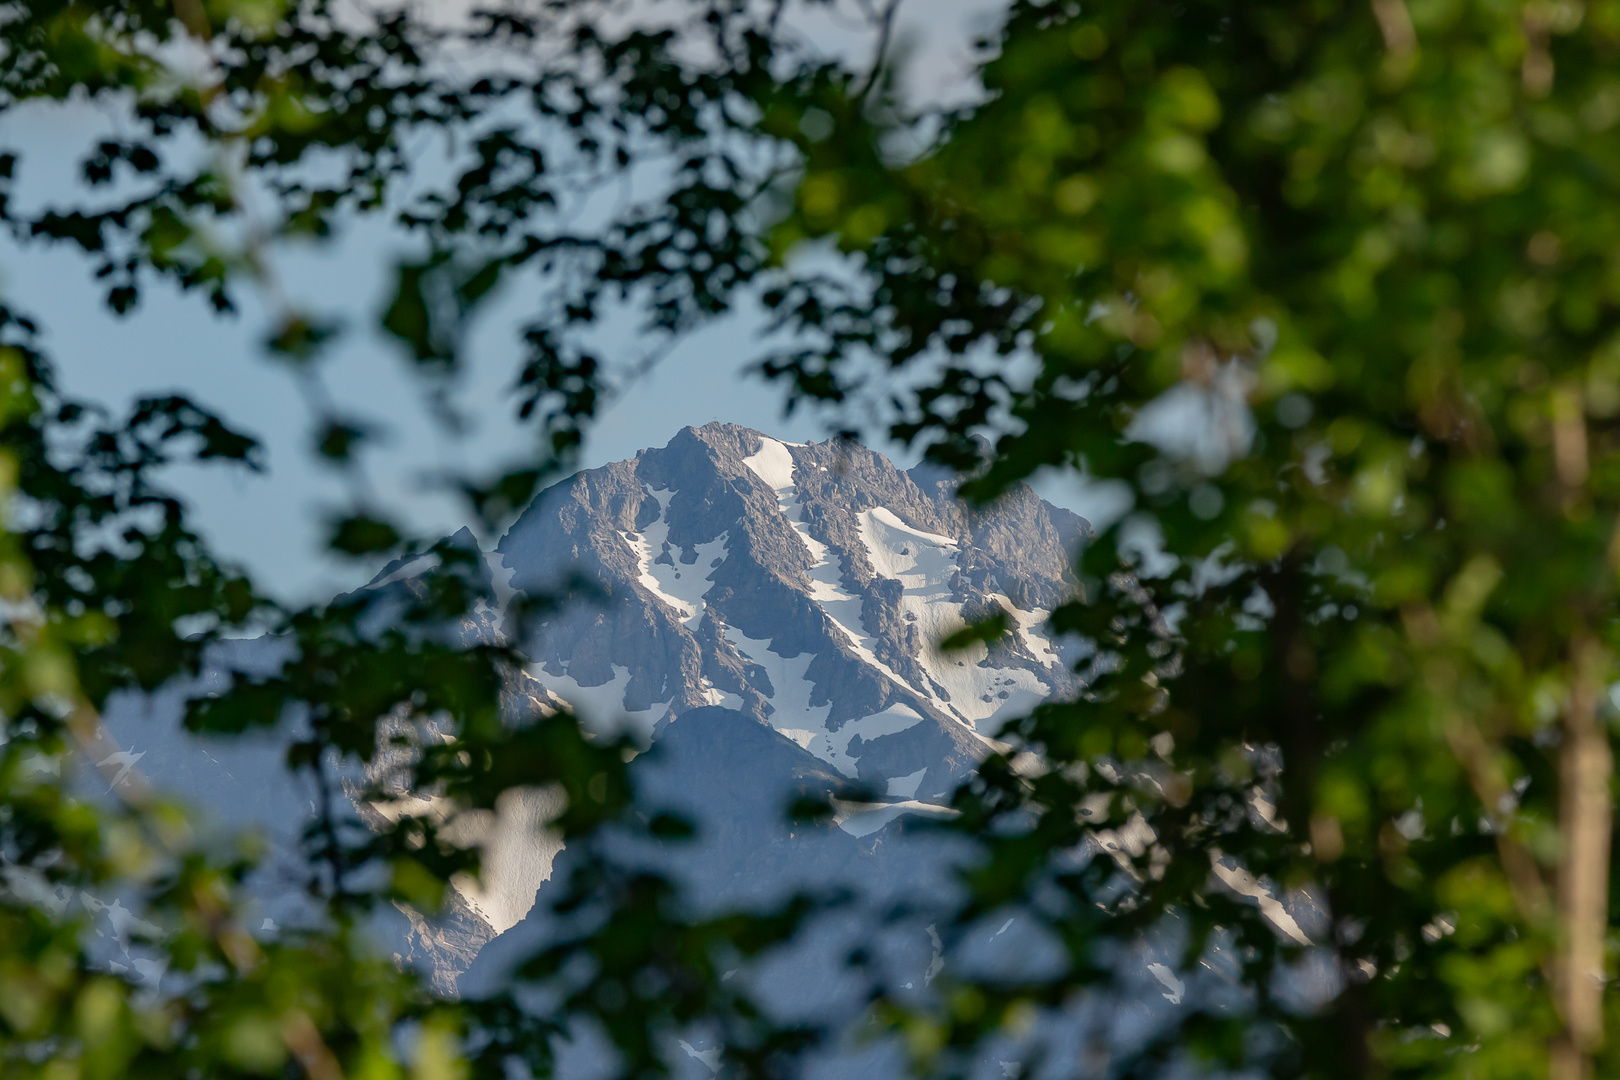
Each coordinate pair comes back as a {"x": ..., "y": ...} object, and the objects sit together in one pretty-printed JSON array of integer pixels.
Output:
[
  {"x": 771, "y": 626},
  {"x": 803, "y": 586},
  {"x": 768, "y": 615}
]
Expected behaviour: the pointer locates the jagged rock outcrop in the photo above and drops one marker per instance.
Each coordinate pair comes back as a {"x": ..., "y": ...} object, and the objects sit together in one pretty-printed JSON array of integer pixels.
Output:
[
  {"x": 769, "y": 612},
  {"x": 805, "y": 586}
]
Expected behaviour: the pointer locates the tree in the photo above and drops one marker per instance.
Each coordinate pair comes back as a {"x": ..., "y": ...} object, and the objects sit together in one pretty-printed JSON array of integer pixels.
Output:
[
  {"x": 1328, "y": 285},
  {"x": 1382, "y": 228}
]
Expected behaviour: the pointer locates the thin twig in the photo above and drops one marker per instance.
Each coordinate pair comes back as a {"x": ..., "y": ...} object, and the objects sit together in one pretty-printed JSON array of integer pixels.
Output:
[
  {"x": 885, "y": 34},
  {"x": 1395, "y": 23}
]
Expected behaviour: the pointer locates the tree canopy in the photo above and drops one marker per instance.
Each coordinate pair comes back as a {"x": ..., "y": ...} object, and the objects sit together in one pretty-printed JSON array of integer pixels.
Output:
[{"x": 1330, "y": 287}]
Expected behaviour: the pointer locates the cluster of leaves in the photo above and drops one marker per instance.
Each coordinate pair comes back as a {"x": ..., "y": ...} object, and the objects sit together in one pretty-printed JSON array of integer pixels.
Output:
[
  {"x": 306, "y": 109},
  {"x": 1331, "y": 287},
  {"x": 99, "y": 569}
]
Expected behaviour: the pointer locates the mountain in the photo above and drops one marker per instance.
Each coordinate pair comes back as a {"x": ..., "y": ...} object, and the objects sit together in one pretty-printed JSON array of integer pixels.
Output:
[
  {"x": 803, "y": 586},
  {"x": 767, "y": 613},
  {"x": 772, "y": 612},
  {"x": 766, "y": 616}
]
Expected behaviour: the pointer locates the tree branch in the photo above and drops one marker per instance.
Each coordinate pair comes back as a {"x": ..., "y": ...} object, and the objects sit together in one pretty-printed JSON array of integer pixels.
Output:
[
  {"x": 885, "y": 34},
  {"x": 1395, "y": 23},
  {"x": 1586, "y": 808}
]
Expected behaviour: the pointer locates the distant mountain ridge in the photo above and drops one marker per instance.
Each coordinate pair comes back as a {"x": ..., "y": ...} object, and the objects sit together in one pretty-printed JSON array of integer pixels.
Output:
[
  {"x": 786, "y": 592},
  {"x": 805, "y": 586},
  {"x": 782, "y": 601}
]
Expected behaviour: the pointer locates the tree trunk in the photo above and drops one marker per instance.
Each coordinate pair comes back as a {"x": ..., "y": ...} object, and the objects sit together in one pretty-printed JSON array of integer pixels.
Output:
[{"x": 1586, "y": 806}]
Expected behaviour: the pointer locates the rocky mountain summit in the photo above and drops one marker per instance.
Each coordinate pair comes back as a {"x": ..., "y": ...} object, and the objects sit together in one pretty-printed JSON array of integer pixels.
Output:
[
  {"x": 804, "y": 586},
  {"x": 769, "y": 613},
  {"x": 785, "y": 602}
]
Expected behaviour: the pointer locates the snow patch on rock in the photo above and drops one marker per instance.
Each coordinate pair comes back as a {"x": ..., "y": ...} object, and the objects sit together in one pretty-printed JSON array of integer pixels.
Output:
[
  {"x": 678, "y": 584},
  {"x": 1030, "y": 626},
  {"x": 962, "y": 683},
  {"x": 863, "y": 819},
  {"x": 601, "y": 707},
  {"x": 906, "y": 786},
  {"x": 774, "y": 465},
  {"x": 792, "y": 714},
  {"x": 833, "y": 747}
]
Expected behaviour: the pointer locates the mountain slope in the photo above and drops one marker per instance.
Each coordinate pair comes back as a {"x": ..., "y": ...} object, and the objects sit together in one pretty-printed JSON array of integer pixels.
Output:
[
  {"x": 766, "y": 612},
  {"x": 804, "y": 586},
  {"x": 770, "y": 621}
]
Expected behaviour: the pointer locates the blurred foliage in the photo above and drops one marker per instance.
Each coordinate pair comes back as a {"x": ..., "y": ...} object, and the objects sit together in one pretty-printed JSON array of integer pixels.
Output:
[{"x": 1331, "y": 287}]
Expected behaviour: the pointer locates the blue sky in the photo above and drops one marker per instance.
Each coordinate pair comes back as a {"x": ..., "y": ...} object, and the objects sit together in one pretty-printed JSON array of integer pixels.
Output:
[{"x": 271, "y": 522}]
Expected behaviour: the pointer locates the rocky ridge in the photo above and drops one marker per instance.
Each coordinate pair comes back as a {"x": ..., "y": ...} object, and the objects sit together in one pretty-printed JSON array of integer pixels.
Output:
[
  {"x": 804, "y": 586},
  {"x": 761, "y": 608}
]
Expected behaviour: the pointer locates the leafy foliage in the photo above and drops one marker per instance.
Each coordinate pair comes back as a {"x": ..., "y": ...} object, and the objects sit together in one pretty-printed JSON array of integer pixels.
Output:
[
  {"x": 1329, "y": 287},
  {"x": 1360, "y": 252}
]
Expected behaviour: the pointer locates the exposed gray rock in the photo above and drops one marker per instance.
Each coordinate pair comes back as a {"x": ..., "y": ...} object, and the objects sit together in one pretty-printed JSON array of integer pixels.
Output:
[
  {"x": 770, "y": 620},
  {"x": 770, "y": 626},
  {"x": 443, "y": 947},
  {"x": 802, "y": 585}
]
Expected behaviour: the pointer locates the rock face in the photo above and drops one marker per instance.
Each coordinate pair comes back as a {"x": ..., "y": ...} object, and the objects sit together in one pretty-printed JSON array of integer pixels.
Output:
[
  {"x": 771, "y": 619},
  {"x": 769, "y": 614},
  {"x": 803, "y": 586}
]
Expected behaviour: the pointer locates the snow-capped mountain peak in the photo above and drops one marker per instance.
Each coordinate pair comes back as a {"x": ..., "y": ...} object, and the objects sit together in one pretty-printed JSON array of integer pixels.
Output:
[{"x": 805, "y": 586}]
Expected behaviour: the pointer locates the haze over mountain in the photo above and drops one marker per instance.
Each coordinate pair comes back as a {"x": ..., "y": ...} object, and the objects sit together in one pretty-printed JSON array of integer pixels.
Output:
[
  {"x": 768, "y": 613},
  {"x": 800, "y": 588}
]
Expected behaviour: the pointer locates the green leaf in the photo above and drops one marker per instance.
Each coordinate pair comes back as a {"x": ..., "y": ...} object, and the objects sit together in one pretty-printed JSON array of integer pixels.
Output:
[
  {"x": 363, "y": 534},
  {"x": 986, "y": 631}
]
